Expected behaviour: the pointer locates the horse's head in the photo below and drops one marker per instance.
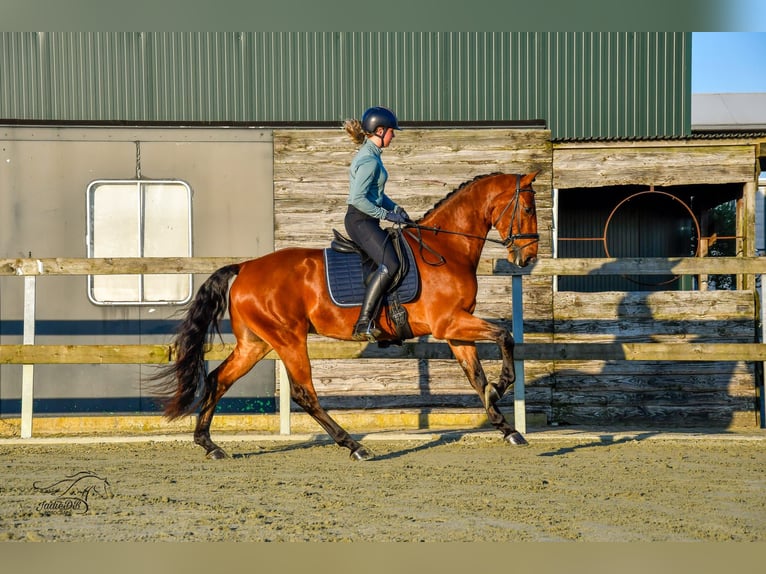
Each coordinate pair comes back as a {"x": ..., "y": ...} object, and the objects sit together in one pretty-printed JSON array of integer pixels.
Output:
[
  {"x": 98, "y": 486},
  {"x": 515, "y": 217}
]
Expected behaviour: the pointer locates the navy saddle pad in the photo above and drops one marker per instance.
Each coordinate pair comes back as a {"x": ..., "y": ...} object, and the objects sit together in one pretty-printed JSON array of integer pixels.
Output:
[{"x": 345, "y": 278}]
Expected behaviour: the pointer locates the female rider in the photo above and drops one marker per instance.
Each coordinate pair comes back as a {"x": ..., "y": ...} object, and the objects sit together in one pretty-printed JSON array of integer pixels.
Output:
[{"x": 367, "y": 206}]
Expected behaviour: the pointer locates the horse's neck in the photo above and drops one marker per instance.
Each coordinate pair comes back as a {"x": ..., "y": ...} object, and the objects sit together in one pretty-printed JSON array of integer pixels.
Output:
[{"x": 464, "y": 217}]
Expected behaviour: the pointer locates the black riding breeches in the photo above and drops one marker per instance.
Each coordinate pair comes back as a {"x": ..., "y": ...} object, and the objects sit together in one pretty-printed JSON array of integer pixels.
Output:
[{"x": 366, "y": 232}]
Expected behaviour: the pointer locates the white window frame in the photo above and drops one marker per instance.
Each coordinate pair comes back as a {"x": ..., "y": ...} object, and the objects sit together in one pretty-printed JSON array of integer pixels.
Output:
[{"x": 134, "y": 244}]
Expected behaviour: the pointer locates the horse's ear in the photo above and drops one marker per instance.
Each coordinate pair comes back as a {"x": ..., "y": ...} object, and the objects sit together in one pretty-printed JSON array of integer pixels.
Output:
[{"x": 529, "y": 178}]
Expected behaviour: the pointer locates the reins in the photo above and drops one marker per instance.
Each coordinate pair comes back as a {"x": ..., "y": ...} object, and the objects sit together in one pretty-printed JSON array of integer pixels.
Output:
[{"x": 424, "y": 246}]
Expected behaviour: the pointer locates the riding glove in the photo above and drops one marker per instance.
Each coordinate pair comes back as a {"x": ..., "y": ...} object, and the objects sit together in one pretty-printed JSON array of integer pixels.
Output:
[
  {"x": 395, "y": 217},
  {"x": 400, "y": 211}
]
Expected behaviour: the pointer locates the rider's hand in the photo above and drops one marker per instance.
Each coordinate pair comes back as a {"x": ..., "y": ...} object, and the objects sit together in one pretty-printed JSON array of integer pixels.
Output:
[
  {"x": 400, "y": 210},
  {"x": 397, "y": 217}
]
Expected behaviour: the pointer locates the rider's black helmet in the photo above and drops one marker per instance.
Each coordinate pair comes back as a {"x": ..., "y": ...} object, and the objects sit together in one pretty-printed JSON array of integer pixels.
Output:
[{"x": 378, "y": 116}]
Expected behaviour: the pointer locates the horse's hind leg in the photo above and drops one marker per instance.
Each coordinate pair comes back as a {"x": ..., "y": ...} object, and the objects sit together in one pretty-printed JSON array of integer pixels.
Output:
[
  {"x": 296, "y": 360},
  {"x": 245, "y": 355}
]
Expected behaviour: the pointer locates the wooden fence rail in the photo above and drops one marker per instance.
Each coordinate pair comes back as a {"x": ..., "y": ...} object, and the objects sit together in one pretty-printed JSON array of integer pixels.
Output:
[
  {"x": 29, "y": 354},
  {"x": 162, "y": 354},
  {"x": 604, "y": 266}
]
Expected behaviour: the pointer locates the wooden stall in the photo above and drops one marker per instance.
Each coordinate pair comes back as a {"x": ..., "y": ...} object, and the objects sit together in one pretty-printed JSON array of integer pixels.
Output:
[{"x": 700, "y": 173}]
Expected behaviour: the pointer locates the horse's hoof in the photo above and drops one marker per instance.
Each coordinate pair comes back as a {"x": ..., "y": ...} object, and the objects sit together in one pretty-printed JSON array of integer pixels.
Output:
[
  {"x": 217, "y": 454},
  {"x": 515, "y": 438},
  {"x": 362, "y": 454}
]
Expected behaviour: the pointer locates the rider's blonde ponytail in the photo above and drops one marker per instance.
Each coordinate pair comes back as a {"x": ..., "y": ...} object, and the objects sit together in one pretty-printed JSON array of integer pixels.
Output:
[{"x": 354, "y": 130}]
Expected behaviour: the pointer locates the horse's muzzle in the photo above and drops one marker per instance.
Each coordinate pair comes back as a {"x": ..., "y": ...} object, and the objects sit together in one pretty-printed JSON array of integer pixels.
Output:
[
  {"x": 520, "y": 258},
  {"x": 522, "y": 248},
  {"x": 521, "y": 261}
]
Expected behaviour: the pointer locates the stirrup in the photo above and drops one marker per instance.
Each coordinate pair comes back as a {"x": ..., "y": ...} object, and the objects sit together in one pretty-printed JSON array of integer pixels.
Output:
[{"x": 369, "y": 333}]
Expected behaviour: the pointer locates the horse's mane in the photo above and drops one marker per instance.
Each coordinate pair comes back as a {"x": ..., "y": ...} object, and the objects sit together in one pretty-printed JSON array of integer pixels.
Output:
[{"x": 457, "y": 190}]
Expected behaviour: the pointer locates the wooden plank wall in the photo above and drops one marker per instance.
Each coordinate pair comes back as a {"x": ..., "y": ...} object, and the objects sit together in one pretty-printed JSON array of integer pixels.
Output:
[
  {"x": 310, "y": 189},
  {"x": 666, "y": 393},
  {"x": 653, "y": 163}
]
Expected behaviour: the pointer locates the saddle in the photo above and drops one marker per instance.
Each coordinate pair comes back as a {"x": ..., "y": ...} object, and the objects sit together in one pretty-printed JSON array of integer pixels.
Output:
[{"x": 348, "y": 268}]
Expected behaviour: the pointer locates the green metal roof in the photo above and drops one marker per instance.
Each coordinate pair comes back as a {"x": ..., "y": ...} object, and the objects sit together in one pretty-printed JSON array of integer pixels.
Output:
[{"x": 584, "y": 84}]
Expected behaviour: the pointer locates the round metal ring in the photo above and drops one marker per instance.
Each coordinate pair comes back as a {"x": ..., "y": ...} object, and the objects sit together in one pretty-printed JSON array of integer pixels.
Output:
[{"x": 663, "y": 193}]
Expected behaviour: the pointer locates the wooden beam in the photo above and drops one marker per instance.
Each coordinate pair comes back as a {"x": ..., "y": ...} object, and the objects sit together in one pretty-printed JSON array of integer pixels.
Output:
[
  {"x": 114, "y": 265},
  {"x": 487, "y": 266},
  {"x": 715, "y": 352},
  {"x": 161, "y": 354},
  {"x": 639, "y": 266},
  {"x": 84, "y": 354}
]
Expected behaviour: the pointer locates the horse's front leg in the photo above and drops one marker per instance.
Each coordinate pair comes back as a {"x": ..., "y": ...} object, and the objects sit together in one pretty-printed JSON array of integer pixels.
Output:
[
  {"x": 495, "y": 392},
  {"x": 507, "y": 379},
  {"x": 468, "y": 358}
]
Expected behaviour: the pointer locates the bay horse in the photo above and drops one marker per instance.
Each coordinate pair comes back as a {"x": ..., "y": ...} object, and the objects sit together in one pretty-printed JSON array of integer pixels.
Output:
[{"x": 278, "y": 299}]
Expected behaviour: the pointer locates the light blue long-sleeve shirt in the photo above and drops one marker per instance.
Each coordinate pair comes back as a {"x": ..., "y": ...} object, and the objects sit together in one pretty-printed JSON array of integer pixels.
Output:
[{"x": 367, "y": 182}]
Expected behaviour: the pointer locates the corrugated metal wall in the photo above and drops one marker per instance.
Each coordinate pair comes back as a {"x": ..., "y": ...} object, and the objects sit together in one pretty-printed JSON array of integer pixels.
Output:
[{"x": 585, "y": 84}]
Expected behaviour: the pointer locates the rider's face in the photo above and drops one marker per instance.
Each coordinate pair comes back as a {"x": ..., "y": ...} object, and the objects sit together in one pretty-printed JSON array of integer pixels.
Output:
[{"x": 386, "y": 135}]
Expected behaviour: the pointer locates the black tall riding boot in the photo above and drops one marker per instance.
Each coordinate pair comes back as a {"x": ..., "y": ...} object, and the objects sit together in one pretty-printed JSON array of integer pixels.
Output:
[{"x": 365, "y": 329}]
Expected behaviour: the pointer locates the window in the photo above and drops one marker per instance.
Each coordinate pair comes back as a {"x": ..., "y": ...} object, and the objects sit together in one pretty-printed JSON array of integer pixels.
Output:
[
  {"x": 640, "y": 221},
  {"x": 139, "y": 218}
]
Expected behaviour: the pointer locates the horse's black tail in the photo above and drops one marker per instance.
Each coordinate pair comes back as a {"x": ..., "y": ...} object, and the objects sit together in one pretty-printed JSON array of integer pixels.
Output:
[{"x": 183, "y": 384}]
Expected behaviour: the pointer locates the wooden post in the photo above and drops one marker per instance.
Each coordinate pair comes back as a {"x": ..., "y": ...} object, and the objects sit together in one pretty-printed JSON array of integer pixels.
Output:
[
  {"x": 27, "y": 370},
  {"x": 519, "y": 403},
  {"x": 284, "y": 398}
]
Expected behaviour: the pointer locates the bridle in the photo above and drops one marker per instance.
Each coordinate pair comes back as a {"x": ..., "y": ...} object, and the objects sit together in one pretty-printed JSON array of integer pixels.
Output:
[
  {"x": 516, "y": 215},
  {"x": 508, "y": 242}
]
